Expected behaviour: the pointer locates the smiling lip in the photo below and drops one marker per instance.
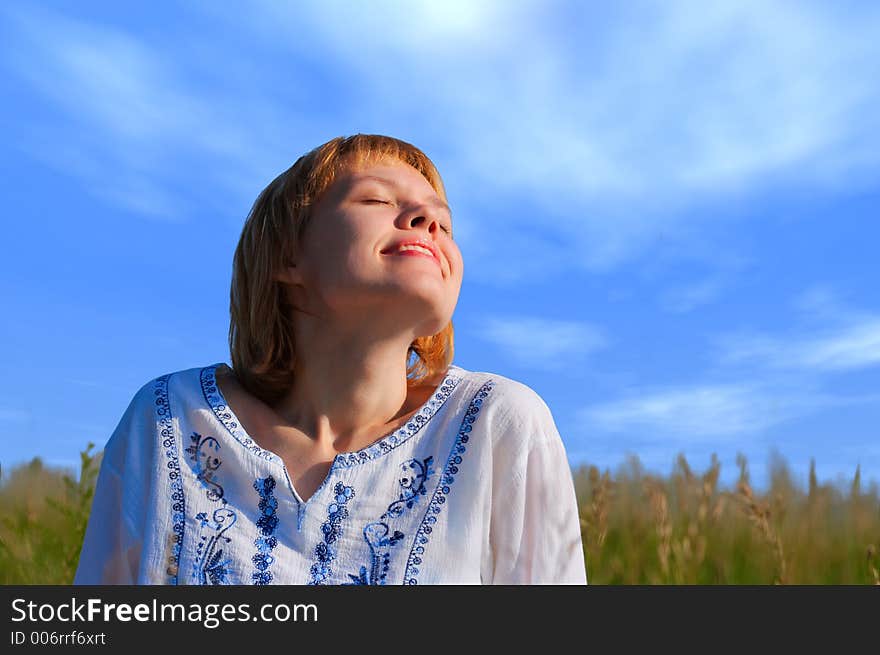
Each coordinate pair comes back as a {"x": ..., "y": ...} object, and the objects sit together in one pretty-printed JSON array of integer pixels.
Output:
[{"x": 414, "y": 253}]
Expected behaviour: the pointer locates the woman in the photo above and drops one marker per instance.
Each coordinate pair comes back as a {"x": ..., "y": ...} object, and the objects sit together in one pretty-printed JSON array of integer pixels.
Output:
[{"x": 343, "y": 446}]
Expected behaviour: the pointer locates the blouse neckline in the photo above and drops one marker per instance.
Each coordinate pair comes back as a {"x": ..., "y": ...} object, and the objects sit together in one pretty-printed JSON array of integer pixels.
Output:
[{"x": 221, "y": 409}]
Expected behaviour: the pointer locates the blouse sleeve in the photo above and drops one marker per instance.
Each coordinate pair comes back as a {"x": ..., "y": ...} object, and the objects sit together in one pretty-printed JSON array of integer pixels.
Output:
[
  {"x": 535, "y": 534},
  {"x": 111, "y": 550}
]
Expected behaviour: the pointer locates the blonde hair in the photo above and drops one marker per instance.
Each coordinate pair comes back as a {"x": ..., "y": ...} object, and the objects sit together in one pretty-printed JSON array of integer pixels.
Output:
[{"x": 261, "y": 338}]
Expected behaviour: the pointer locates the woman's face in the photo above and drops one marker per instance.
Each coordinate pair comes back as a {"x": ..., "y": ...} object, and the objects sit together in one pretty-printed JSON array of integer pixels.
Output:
[{"x": 349, "y": 267}]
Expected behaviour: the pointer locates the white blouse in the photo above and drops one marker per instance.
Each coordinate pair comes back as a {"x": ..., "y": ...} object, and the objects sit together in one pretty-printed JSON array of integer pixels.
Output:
[{"x": 474, "y": 489}]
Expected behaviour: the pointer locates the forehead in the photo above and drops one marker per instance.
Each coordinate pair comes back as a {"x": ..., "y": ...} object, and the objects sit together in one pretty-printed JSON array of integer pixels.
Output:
[{"x": 386, "y": 170}]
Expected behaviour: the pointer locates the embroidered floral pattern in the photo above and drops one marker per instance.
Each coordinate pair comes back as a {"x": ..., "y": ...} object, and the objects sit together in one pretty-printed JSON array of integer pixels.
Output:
[
  {"x": 377, "y": 533},
  {"x": 383, "y": 535},
  {"x": 266, "y": 524},
  {"x": 217, "y": 402},
  {"x": 206, "y": 464},
  {"x": 439, "y": 498},
  {"x": 169, "y": 443},
  {"x": 325, "y": 552},
  {"x": 210, "y": 565},
  {"x": 215, "y": 399}
]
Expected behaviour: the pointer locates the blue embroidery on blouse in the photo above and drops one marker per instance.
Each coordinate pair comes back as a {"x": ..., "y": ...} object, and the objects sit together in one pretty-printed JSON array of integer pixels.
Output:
[
  {"x": 216, "y": 401},
  {"x": 377, "y": 533},
  {"x": 169, "y": 443},
  {"x": 401, "y": 435},
  {"x": 210, "y": 565},
  {"x": 214, "y": 398},
  {"x": 325, "y": 552},
  {"x": 206, "y": 464},
  {"x": 267, "y": 523},
  {"x": 417, "y": 551}
]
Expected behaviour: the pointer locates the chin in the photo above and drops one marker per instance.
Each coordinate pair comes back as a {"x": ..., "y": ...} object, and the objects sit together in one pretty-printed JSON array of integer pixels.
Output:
[{"x": 428, "y": 330}]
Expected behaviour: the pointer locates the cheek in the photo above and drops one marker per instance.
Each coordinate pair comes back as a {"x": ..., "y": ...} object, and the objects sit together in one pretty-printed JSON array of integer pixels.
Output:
[
  {"x": 337, "y": 246},
  {"x": 455, "y": 256},
  {"x": 348, "y": 256}
]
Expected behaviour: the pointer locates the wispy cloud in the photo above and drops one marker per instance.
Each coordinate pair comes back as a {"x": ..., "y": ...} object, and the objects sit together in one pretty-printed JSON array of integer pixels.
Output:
[
  {"x": 609, "y": 141},
  {"x": 684, "y": 299},
  {"x": 776, "y": 378},
  {"x": 855, "y": 347},
  {"x": 849, "y": 338},
  {"x": 131, "y": 120},
  {"x": 711, "y": 412},
  {"x": 597, "y": 135},
  {"x": 824, "y": 303},
  {"x": 771, "y": 379},
  {"x": 541, "y": 343}
]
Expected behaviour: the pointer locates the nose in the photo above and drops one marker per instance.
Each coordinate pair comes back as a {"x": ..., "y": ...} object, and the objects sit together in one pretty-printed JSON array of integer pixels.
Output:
[
  {"x": 425, "y": 218},
  {"x": 420, "y": 221}
]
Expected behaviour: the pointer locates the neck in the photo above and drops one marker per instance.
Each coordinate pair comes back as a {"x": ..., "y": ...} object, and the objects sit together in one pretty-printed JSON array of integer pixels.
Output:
[{"x": 347, "y": 387}]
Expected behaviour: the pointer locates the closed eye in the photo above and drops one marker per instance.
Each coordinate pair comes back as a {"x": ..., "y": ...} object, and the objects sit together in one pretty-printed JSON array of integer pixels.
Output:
[{"x": 386, "y": 202}]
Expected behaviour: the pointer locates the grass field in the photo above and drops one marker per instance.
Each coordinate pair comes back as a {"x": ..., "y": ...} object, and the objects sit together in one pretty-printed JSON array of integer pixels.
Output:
[{"x": 637, "y": 528}]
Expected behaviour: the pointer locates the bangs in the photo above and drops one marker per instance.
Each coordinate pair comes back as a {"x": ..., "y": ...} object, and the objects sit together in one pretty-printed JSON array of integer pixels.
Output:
[{"x": 363, "y": 150}]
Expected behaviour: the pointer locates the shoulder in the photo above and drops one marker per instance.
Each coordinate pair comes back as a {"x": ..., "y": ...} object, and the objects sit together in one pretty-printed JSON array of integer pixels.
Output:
[
  {"x": 150, "y": 413},
  {"x": 167, "y": 388},
  {"x": 163, "y": 396},
  {"x": 510, "y": 397},
  {"x": 514, "y": 409}
]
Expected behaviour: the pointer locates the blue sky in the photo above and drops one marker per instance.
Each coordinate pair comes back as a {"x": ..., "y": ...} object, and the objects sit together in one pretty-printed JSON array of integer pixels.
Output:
[{"x": 667, "y": 210}]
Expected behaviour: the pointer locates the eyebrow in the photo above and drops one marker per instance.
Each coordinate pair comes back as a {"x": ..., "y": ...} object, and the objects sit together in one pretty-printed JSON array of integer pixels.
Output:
[{"x": 374, "y": 178}]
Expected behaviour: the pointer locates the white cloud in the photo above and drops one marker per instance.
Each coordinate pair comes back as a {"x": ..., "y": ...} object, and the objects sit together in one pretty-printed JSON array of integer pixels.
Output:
[
  {"x": 600, "y": 130},
  {"x": 829, "y": 305},
  {"x": 777, "y": 378},
  {"x": 682, "y": 300},
  {"x": 855, "y": 346},
  {"x": 710, "y": 412},
  {"x": 423, "y": 29},
  {"x": 132, "y": 124},
  {"x": 614, "y": 122},
  {"x": 541, "y": 343}
]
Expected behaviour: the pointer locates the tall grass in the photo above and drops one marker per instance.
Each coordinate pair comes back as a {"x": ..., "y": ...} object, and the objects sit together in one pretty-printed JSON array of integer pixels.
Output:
[
  {"x": 640, "y": 528},
  {"x": 43, "y": 516},
  {"x": 637, "y": 528}
]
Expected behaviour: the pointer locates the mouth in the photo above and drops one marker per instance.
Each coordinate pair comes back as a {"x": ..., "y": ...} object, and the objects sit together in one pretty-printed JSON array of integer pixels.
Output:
[{"x": 413, "y": 253}]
